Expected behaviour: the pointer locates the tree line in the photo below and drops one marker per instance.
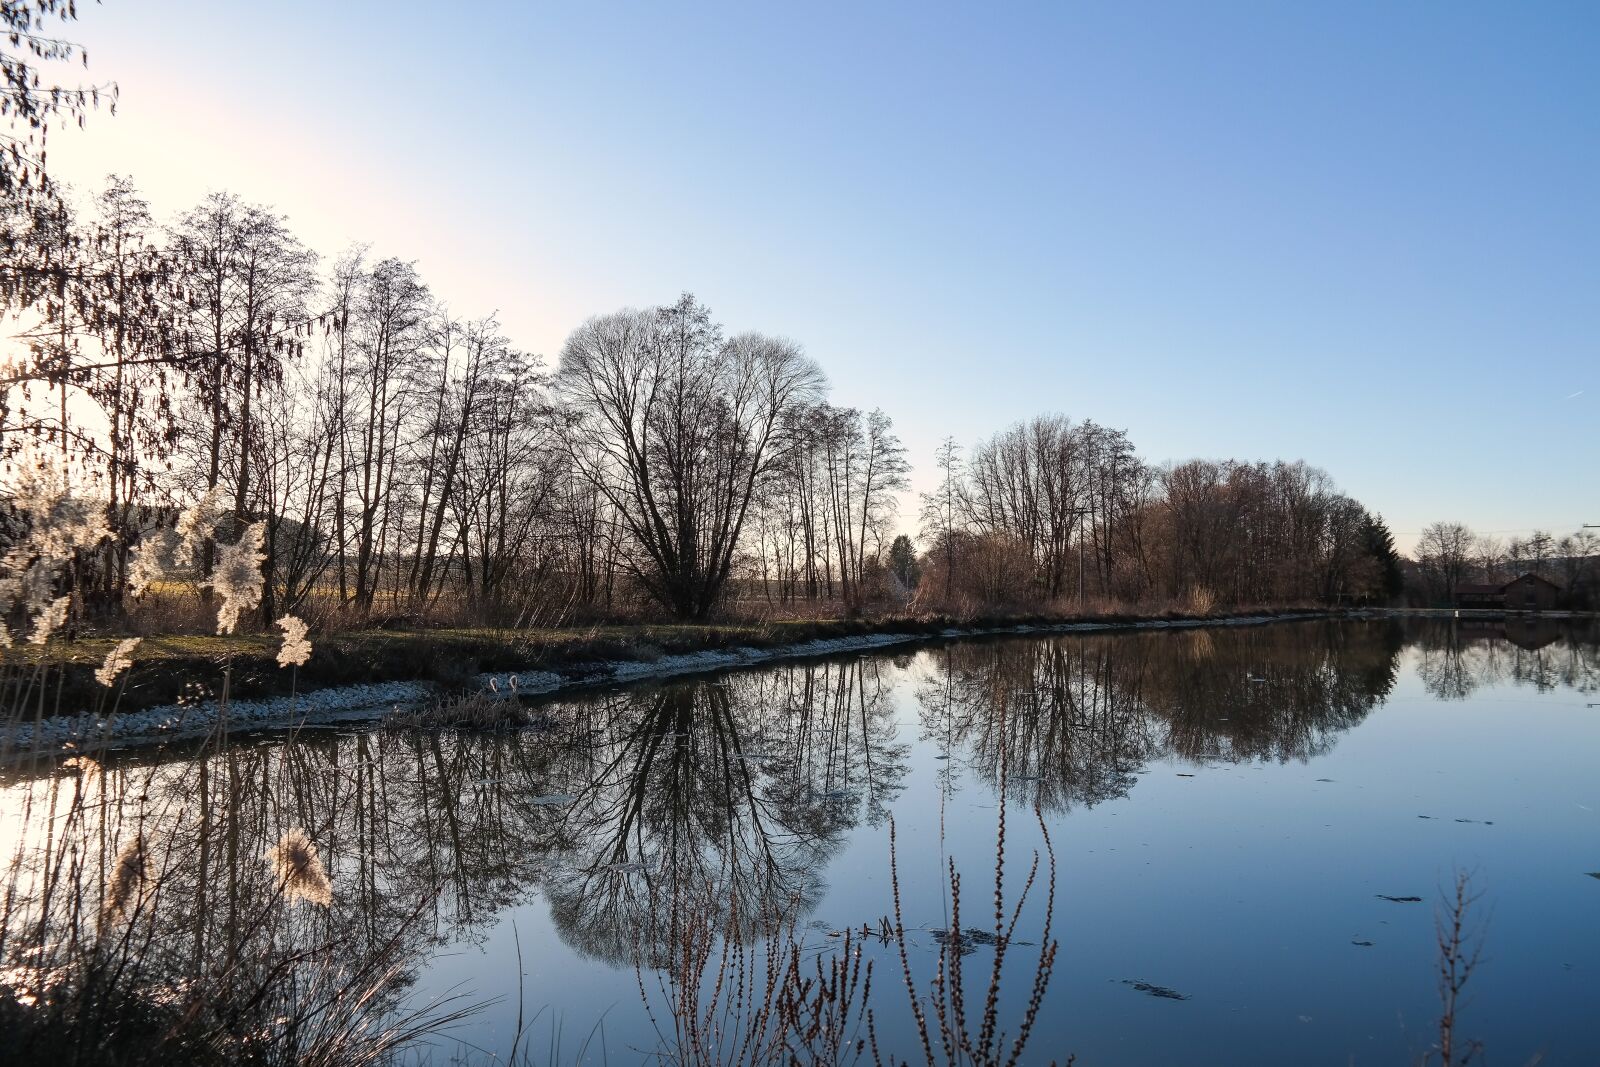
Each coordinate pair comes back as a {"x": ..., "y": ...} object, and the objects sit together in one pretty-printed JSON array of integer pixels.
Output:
[
  {"x": 404, "y": 459},
  {"x": 390, "y": 456},
  {"x": 1050, "y": 510},
  {"x": 1450, "y": 555}
]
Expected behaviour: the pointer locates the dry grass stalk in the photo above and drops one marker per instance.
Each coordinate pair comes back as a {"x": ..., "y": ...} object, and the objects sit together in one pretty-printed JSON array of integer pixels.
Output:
[
  {"x": 1459, "y": 955},
  {"x": 760, "y": 1004},
  {"x": 947, "y": 990}
]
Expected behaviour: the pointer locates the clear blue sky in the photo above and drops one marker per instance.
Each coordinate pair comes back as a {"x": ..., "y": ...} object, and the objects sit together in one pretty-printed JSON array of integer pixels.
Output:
[{"x": 1366, "y": 235}]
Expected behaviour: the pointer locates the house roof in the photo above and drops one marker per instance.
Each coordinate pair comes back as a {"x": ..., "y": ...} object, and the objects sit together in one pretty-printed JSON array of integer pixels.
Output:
[
  {"x": 1498, "y": 589},
  {"x": 1531, "y": 577}
]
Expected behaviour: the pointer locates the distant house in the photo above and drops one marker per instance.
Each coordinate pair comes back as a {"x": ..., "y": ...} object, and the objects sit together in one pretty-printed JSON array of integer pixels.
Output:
[
  {"x": 1480, "y": 596},
  {"x": 1529, "y": 592}
]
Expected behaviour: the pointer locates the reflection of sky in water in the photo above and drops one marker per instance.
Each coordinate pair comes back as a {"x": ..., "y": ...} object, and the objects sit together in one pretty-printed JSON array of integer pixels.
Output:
[
  {"x": 1226, "y": 808},
  {"x": 1248, "y": 885}
]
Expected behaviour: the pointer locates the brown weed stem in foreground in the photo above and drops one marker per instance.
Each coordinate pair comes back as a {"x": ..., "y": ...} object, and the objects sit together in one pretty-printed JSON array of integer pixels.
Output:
[{"x": 1460, "y": 952}]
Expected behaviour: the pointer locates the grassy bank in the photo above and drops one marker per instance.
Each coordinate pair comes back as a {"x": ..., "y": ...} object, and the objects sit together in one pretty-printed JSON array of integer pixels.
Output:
[{"x": 170, "y": 668}]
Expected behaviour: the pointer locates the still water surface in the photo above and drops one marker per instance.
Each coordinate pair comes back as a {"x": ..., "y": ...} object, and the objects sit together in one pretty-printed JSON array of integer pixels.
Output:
[{"x": 1229, "y": 811}]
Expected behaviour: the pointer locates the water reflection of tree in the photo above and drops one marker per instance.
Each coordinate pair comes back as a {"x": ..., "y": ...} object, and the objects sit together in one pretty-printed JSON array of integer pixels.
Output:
[
  {"x": 1067, "y": 734},
  {"x": 1455, "y": 658},
  {"x": 728, "y": 796},
  {"x": 1077, "y": 717},
  {"x": 719, "y": 801},
  {"x": 204, "y": 920}
]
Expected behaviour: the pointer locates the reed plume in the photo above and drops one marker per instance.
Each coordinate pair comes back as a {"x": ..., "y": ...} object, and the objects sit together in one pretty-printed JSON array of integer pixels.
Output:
[
  {"x": 50, "y": 620},
  {"x": 118, "y": 660},
  {"x": 296, "y": 649},
  {"x": 301, "y": 875},
  {"x": 162, "y": 551},
  {"x": 237, "y": 576},
  {"x": 87, "y": 767},
  {"x": 127, "y": 878}
]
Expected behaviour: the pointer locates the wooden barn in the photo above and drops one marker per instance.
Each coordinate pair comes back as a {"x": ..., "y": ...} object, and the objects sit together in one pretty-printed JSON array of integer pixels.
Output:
[{"x": 1528, "y": 592}]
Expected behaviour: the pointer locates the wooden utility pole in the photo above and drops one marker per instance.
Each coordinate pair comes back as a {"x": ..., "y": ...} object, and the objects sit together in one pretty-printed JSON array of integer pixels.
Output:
[{"x": 1080, "y": 513}]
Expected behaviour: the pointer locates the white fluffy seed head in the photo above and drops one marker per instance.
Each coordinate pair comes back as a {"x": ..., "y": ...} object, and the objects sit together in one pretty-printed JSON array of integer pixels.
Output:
[
  {"x": 49, "y": 620},
  {"x": 237, "y": 578},
  {"x": 58, "y": 526},
  {"x": 296, "y": 647},
  {"x": 155, "y": 558},
  {"x": 118, "y": 660},
  {"x": 198, "y": 522},
  {"x": 299, "y": 869}
]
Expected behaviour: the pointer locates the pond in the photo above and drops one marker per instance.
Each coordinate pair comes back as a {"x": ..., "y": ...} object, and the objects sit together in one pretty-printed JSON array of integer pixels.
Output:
[{"x": 1255, "y": 833}]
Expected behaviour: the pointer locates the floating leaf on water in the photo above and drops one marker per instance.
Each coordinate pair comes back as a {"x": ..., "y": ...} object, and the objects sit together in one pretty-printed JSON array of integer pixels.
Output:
[
  {"x": 1399, "y": 900},
  {"x": 554, "y": 800},
  {"x": 1361, "y": 941},
  {"x": 1183, "y": 775},
  {"x": 1155, "y": 990}
]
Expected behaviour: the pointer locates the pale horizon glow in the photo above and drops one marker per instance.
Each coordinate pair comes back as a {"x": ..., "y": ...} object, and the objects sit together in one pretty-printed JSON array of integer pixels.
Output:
[{"x": 1366, "y": 237}]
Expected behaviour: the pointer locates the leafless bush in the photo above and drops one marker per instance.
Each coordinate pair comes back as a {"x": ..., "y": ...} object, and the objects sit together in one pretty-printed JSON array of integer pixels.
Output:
[
  {"x": 975, "y": 1037},
  {"x": 730, "y": 1003}
]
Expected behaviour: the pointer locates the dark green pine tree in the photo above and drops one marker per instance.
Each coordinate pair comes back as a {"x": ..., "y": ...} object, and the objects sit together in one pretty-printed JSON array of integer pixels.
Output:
[
  {"x": 903, "y": 561},
  {"x": 1379, "y": 543}
]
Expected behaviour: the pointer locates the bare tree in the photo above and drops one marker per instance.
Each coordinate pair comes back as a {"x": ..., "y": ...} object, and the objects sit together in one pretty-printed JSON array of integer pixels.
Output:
[
  {"x": 1444, "y": 551},
  {"x": 388, "y": 333},
  {"x": 242, "y": 283},
  {"x": 942, "y": 508},
  {"x": 676, "y": 426}
]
